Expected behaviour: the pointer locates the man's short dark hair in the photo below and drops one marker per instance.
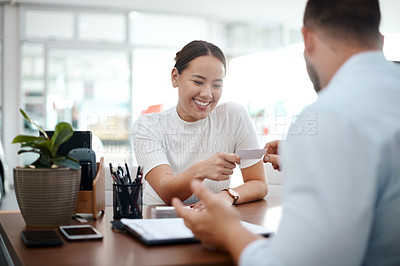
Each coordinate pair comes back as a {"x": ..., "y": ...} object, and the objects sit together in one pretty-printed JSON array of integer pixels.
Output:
[{"x": 353, "y": 20}]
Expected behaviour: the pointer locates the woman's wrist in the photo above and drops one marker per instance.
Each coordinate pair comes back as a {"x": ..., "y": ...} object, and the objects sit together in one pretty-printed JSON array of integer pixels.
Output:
[
  {"x": 227, "y": 197},
  {"x": 197, "y": 173}
]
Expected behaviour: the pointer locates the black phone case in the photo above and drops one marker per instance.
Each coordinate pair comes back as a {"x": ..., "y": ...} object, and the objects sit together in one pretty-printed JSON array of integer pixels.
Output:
[
  {"x": 41, "y": 238},
  {"x": 87, "y": 160}
]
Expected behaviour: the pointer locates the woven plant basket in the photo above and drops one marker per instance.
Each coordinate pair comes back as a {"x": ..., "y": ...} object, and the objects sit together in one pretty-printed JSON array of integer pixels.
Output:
[{"x": 47, "y": 197}]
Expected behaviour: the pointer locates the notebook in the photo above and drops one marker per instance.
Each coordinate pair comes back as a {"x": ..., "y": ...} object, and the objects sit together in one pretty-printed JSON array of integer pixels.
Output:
[{"x": 172, "y": 230}]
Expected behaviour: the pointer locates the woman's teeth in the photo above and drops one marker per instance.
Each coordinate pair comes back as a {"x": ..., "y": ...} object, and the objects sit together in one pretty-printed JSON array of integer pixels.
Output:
[{"x": 201, "y": 103}]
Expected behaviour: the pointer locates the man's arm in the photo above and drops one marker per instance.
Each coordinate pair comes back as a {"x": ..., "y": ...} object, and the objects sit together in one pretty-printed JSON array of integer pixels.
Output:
[
  {"x": 329, "y": 194},
  {"x": 327, "y": 209},
  {"x": 219, "y": 226}
]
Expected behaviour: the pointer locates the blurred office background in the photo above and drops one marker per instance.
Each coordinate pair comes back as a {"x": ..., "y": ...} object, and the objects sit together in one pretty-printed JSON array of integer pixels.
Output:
[{"x": 101, "y": 64}]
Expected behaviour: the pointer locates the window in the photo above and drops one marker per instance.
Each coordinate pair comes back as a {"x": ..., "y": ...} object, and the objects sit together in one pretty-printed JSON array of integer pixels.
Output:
[
  {"x": 391, "y": 46},
  {"x": 273, "y": 85},
  {"x": 102, "y": 27},
  {"x": 100, "y": 70},
  {"x": 33, "y": 83},
  {"x": 152, "y": 79},
  {"x": 90, "y": 89},
  {"x": 76, "y": 70},
  {"x": 37, "y": 24},
  {"x": 166, "y": 30}
]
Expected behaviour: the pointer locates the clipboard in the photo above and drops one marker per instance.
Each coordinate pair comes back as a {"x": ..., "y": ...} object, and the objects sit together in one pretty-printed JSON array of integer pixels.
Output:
[{"x": 172, "y": 231}]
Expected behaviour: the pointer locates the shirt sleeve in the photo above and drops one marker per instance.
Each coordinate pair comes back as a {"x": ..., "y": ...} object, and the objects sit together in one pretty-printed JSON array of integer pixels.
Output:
[
  {"x": 328, "y": 197},
  {"x": 150, "y": 151},
  {"x": 256, "y": 252}
]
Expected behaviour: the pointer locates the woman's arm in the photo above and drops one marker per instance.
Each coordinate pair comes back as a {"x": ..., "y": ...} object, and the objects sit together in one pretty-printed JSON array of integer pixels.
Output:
[
  {"x": 255, "y": 184},
  {"x": 255, "y": 187},
  {"x": 169, "y": 185}
]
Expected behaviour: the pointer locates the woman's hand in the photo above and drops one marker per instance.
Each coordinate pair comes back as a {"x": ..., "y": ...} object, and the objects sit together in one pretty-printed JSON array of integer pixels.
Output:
[
  {"x": 222, "y": 196},
  {"x": 218, "y": 167},
  {"x": 168, "y": 185},
  {"x": 271, "y": 156}
]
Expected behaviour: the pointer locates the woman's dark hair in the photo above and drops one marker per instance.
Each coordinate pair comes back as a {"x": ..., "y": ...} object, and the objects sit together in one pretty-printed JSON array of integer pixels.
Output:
[
  {"x": 356, "y": 20},
  {"x": 195, "y": 49}
]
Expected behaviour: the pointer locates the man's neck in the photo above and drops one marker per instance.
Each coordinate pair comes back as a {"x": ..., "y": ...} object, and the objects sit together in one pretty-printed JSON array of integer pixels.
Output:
[{"x": 338, "y": 57}]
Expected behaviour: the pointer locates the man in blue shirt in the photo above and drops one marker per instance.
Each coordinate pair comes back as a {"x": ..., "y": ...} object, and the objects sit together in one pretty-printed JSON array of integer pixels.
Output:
[{"x": 341, "y": 158}]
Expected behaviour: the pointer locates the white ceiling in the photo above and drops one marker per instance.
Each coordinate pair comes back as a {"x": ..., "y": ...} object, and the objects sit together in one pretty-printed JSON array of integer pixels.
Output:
[
  {"x": 288, "y": 12},
  {"x": 260, "y": 11}
]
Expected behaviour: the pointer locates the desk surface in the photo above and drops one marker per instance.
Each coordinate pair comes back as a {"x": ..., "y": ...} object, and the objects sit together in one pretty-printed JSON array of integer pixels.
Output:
[{"x": 122, "y": 248}]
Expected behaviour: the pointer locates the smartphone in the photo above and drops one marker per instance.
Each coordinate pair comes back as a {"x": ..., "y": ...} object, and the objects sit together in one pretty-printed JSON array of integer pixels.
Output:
[
  {"x": 80, "y": 232},
  {"x": 41, "y": 238}
]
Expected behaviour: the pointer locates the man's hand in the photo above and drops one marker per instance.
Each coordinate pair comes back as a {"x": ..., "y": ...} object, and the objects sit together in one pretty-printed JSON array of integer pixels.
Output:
[
  {"x": 218, "y": 167},
  {"x": 219, "y": 225},
  {"x": 212, "y": 225},
  {"x": 271, "y": 156}
]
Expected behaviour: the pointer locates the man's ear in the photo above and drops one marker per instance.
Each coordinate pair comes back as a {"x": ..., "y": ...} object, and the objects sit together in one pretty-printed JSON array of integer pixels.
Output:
[
  {"x": 308, "y": 36},
  {"x": 174, "y": 77}
]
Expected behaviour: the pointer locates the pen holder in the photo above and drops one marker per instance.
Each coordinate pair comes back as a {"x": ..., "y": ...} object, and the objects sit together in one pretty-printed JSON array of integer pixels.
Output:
[{"x": 128, "y": 201}]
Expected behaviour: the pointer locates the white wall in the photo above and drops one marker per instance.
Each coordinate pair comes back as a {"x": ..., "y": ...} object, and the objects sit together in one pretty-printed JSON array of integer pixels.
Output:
[
  {"x": 11, "y": 93},
  {"x": 390, "y": 15}
]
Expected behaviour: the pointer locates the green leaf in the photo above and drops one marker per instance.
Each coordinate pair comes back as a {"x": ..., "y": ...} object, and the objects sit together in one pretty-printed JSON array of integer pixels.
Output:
[
  {"x": 62, "y": 133},
  {"x": 26, "y": 116},
  {"x": 25, "y": 151},
  {"x": 28, "y": 144},
  {"x": 44, "y": 147},
  {"x": 67, "y": 162},
  {"x": 33, "y": 123},
  {"x": 26, "y": 138},
  {"x": 47, "y": 148}
]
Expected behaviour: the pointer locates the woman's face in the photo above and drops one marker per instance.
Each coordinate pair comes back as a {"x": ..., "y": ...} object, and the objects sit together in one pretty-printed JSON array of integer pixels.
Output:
[{"x": 199, "y": 86}]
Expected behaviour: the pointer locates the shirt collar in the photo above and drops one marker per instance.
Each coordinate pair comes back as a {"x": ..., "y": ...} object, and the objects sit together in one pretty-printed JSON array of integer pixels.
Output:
[{"x": 356, "y": 63}]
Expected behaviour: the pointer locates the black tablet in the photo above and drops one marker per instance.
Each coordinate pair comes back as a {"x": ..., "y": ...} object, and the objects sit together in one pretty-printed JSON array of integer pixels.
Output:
[{"x": 80, "y": 139}]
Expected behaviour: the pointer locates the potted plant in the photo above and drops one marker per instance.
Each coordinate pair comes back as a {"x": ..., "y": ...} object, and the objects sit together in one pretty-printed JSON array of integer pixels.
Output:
[{"x": 48, "y": 188}]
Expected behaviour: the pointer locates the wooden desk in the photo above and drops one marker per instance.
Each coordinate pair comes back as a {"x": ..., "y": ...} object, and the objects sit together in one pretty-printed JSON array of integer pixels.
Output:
[{"x": 119, "y": 248}]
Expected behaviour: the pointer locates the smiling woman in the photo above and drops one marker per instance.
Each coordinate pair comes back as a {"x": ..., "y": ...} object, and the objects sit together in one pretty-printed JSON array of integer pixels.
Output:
[
  {"x": 200, "y": 87},
  {"x": 197, "y": 139}
]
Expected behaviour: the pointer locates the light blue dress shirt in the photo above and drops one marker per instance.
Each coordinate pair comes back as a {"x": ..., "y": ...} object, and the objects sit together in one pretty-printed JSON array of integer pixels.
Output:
[{"x": 341, "y": 161}]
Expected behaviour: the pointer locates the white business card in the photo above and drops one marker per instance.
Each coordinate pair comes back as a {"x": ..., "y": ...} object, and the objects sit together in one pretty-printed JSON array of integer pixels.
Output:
[{"x": 251, "y": 154}]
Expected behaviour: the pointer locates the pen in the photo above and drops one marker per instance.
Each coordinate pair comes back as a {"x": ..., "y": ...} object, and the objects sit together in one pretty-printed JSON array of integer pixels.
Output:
[
  {"x": 138, "y": 179},
  {"x": 114, "y": 175},
  {"x": 111, "y": 169},
  {"x": 121, "y": 169},
  {"x": 127, "y": 172},
  {"x": 141, "y": 175},
  {"x": 120, "y": 177}
]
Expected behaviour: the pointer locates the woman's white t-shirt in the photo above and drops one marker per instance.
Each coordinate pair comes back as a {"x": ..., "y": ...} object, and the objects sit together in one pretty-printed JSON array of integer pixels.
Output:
[{"x": 164, "y": 138}]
